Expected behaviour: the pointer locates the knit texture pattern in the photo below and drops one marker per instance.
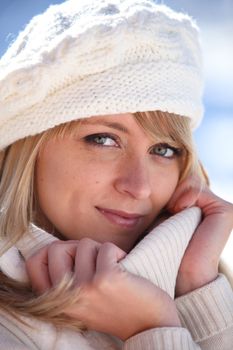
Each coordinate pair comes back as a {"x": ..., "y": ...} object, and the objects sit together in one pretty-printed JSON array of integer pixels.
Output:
[
  {"x": 88, "y": 58},
  {"x": 161, "y": 339},
  {"x": 157, "y": 257},
  {"x": 207, "y": 313},
  {"x": 215, "y": 302},
  {"x": 163, "y": 249}
]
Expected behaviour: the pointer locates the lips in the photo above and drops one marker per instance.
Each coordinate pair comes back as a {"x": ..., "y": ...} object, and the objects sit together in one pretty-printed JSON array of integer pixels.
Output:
[{"x": 120, "y": 218}]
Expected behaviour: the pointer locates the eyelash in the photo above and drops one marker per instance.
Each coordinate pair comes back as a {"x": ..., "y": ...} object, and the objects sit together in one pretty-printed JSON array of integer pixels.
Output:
[
  {"x": 176, "y": 151},
  {"x": 90, "y": 139}
]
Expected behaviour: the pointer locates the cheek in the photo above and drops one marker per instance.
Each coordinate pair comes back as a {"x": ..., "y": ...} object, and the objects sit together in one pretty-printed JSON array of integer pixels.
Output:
[
  {"x": 54, "y": 180},
  {"x": 164, "y": 186},
  {"x": 62, "y": 184}
]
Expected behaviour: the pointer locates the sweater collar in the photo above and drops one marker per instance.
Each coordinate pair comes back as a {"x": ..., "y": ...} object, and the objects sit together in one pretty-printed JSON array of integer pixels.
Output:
[{"x": 12, "y": 262}]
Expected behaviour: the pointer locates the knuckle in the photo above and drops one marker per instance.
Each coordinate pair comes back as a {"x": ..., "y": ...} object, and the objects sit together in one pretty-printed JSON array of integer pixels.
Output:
[
  {"x": 55, "y": 246},
  {"x": 87, "y": 241},
  {"x": 35, "y": 257},
  {"x": 108, "y": 246},
  {"x": 102, "y": 282}
]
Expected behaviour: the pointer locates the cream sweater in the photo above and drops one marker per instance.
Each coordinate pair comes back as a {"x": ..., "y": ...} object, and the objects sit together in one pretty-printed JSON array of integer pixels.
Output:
[{"x": 206, "y": 314}]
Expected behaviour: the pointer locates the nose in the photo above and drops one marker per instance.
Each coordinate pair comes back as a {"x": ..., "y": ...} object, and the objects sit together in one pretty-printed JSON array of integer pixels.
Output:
[{"x": 133, "y": 179}]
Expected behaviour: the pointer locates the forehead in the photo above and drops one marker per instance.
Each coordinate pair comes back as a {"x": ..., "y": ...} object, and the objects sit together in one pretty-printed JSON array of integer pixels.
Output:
[
  {"x": 121, "y": 122},
  {"x": 157, "y": 126},
  {"x": 128, "y": 124}
]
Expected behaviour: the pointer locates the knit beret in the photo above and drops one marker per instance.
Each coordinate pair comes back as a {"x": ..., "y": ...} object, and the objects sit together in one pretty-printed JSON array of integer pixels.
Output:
[{"x": 86, "y": 58}]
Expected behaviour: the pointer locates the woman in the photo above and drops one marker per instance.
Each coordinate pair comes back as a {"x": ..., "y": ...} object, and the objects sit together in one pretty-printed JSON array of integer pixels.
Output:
[{"x": 97, "y": 105}]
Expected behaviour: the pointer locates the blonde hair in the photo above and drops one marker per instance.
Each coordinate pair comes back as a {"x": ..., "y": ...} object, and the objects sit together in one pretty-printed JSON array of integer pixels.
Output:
[{"x": 17, "y": 205}]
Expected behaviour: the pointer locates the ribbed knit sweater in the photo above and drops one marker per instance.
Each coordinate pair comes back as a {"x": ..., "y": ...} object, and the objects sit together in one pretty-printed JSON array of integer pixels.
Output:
[{"x": 206, "y": 314}]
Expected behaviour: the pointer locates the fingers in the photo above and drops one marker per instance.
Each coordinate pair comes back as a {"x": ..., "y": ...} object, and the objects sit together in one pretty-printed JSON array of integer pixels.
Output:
[
  {"x": 85, "y": 260},
  {"x": 50, "y": 264},
  {"x": 93, "y": 258},
  {"x": 37, "y": 269},
  {"x": 186, "y": 199},
  {"x": 109, "y": 255},
  {"x": 192, "y": 191},
  {"x": 61, "y": 258},
  {"x": 186, "y": 194},
  {"x": 80, "y": 259}
]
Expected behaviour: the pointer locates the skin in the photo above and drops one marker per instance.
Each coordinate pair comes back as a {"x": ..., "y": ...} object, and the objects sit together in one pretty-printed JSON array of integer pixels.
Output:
[
  {"x": 200, "y": 262},
  {"x": 74, "y": 179}
]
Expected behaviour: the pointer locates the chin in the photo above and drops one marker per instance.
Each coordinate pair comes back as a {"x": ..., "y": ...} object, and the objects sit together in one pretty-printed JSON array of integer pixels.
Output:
[{"x": 126, "y": 246}]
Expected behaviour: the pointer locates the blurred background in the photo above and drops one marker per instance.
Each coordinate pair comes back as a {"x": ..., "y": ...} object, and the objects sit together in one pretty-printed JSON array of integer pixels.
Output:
[{"x": 214, "y": 138}]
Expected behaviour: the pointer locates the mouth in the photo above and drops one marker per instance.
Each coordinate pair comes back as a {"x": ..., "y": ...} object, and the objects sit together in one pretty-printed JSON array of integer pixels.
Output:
[{"x": 121, "y": 218}]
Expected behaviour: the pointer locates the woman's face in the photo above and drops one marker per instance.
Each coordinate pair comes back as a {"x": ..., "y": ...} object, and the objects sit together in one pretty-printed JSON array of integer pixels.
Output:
[{"x": 107, "y": 182}]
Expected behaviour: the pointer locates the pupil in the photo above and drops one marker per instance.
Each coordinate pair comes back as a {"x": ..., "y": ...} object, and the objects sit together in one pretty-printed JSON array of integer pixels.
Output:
[
  {"x": 100, "y": 139},
  {"x": 161, "y": 150}
]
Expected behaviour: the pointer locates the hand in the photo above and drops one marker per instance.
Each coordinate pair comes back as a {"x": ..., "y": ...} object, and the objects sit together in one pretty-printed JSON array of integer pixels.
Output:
[
  {"x": 111, "y": 300},
  {"x": 200, "y": 262}
]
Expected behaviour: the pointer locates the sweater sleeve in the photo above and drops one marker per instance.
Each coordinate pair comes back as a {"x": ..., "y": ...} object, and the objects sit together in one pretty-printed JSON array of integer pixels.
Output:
[
  {"x": 208, "y": 314},
  {"x": 162, "y": 339},
  {"x": 9, "y": 341}
]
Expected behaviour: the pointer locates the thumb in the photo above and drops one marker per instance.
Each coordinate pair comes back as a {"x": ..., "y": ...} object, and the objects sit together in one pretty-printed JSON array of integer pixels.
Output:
[{"x": 108, "y": 257}]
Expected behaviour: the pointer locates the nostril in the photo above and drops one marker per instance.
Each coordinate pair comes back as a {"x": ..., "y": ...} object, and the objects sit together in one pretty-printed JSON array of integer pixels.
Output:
[{"x": 134, "y": 186}]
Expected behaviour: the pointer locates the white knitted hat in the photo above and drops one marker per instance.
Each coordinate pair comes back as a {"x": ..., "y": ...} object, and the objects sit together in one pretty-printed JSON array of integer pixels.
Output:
[{"x": 85, "y": 58}]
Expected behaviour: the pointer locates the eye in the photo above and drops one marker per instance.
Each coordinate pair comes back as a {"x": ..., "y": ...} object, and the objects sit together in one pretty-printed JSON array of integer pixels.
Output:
[
  {"x": 106, "y": 140},
  {"x": 164, "y": 150}
]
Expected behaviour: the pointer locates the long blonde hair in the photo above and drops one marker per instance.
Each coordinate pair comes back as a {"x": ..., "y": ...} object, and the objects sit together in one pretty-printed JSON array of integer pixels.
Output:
[{"x": 17, "y": 207}]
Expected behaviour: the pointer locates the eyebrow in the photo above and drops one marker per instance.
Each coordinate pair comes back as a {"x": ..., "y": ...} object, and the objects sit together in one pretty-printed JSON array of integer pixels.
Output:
[{"x": 113, "y": 125}]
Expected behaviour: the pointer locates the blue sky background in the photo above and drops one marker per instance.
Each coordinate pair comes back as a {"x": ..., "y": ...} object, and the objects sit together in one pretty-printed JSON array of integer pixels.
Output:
[{"x": 214, "y": 138}]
